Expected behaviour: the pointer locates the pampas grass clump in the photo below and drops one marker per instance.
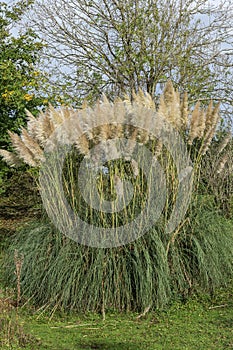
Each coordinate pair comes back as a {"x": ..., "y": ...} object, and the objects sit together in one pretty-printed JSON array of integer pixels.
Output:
[
  {"x": 148, "y": 272},
  {"x": 60, "y": 274}
]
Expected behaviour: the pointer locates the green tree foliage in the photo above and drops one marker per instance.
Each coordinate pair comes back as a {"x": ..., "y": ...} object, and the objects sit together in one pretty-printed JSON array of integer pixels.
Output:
[
  {"x": 20, "y": 77},
  {"x": 20, "y": 80}
]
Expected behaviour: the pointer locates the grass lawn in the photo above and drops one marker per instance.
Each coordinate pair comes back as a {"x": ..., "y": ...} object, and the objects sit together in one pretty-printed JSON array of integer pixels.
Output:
[{"x": 201, "y": 325}]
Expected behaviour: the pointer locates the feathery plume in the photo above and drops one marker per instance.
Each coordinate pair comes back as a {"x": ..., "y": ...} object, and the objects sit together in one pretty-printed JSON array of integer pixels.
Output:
[
  {"x": 104, "y": 115},
  {"x": 201, "y": 125},
  {"x": 143, "y": 99},
  {"x": 225, "y": 142},
  {"x": 119, "y": 115},
  {"x": 47, "y": 127},
  {"x": 82, "y": 144},
  {"x": 209, "y": 112},
  {"x": 162, "y": 109},
  {"x": 197, "y": 124},
  {"x": 22, "y": 150},
  {"x": 107, "y": 131},
  {"x": 32, "y": 145},
  {"x": 211, "y": 131},
  {"x": 147, "y": 124},
  {"x": 207, "y": 140},
  {"x": 212, "y": 116},
  {"x": 84, "y": 104},
  {"x": 11, "y": 158},
  {"x": 221, "y": 164},
  {"x": 42, "y": 128},
  {"x": 117, "y": 100},
  {"x": 149, "y": 102},
  {"x": 169, "y": 92},
  {"x": 135, "y": 97},
  {"x": 31, "y": 123},
  {"x": 105, "y": 99},
  {"x": 127, "y": 99},
  {"x": 134, "y": 135},
  {"x": 184, "y": 111},
  {"x": 194, "y": 123},
  {"x": 57, "y": 117},
  {"x": 86, "y": 120},
  {"x": 169, "y": 105},
  {"x": 113, "y": 117}
]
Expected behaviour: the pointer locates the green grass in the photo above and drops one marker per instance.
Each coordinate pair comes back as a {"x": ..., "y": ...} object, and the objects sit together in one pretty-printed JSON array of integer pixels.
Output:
[
  {"x": 206, "y": 324},
  {"x": 60, "y": 273}
]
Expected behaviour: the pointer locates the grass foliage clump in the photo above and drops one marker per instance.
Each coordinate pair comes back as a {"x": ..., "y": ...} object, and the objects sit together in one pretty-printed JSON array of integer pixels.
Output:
[
  {"x": 60, "y": 273},
  {"x": 196, "y": 252}
]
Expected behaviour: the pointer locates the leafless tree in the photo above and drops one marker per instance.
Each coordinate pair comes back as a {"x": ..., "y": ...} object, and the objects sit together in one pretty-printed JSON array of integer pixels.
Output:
[{"x": 120, "y": 45}]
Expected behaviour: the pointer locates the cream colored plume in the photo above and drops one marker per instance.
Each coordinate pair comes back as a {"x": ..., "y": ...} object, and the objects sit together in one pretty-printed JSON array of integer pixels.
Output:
[
  {"x": 40, "y": 128},
  {"x": 226, "y": 140},
  {"x": 221, "y": 164},
  {"x": 10, "y": 158},
  {"x": 32, "y": 145},
  {"x": 212, "y": 118},
  {"x": 184, "y": 111},
  {"x": 143, "y": 99},
  {"x": 169, "y": 106},
  {"x": 31, "y": 124},
  {"x": 22, "y": 150},
  {"x": 133, "y": 119},
  {"x": 197, "y": 124}
]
